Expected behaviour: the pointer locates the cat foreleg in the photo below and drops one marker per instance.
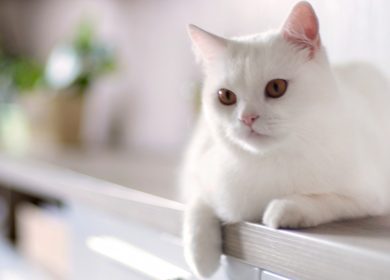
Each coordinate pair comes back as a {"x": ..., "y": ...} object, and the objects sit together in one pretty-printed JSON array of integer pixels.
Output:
[
  {"x": 308, "y": 210},
  {"x": 202, "y": 239}
]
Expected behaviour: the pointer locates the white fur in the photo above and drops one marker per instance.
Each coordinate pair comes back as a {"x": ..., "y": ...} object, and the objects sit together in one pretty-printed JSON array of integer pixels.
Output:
[{"x": 326, "y": 156}]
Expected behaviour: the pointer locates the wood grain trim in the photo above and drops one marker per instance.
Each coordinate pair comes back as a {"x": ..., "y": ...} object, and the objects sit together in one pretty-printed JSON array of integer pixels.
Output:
[{"x": 299, "y": 256}]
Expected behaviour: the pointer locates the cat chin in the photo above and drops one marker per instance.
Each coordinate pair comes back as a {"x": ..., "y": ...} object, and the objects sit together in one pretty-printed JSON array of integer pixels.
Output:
[{"x": 255, "y": 144}]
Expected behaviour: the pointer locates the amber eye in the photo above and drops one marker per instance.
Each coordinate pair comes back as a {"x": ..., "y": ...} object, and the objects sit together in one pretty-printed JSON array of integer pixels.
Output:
[
  {"x": 227, "y": 97},
  {"x": 276, "y": 88}
]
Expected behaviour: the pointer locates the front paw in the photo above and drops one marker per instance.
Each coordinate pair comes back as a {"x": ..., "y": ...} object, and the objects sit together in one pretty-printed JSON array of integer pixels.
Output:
[
  {"x": 202, "y": 240},
  {"x": 202, "y": 254},
  {"x": 286, "y": 213}
]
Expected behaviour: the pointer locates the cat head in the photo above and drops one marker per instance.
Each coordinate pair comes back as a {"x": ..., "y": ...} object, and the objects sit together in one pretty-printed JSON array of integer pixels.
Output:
[{"x": 260, "y": 90}]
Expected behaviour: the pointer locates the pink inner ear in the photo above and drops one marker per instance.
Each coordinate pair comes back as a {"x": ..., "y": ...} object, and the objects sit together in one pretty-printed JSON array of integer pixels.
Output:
[{"x": 301, "y": 27}]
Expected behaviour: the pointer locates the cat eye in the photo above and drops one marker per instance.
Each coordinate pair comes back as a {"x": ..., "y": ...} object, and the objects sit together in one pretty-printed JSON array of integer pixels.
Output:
[
  {"x": 227, "y": 97},
  {"x": 276, "y": 88}
]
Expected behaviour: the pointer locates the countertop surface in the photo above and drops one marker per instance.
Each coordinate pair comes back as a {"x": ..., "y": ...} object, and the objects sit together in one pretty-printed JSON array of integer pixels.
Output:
[{"x": 142, "y": 188}]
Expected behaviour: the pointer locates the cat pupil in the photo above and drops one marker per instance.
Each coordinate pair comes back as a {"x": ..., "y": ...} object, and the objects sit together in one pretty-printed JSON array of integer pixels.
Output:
[{"x": 276, "y": 87}]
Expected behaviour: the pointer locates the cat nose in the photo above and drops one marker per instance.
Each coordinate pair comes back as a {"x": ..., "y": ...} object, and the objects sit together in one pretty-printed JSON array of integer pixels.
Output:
[{"x": 249, "y": 119}]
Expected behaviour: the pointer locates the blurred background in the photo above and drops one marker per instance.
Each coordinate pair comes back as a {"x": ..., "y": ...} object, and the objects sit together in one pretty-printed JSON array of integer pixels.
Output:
[
  {"x": 124, "y": 71},
  {"x": 87, "y": 77}
]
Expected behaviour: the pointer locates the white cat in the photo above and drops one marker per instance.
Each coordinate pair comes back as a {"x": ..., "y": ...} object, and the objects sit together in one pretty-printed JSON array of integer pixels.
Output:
[{"x": 282, "y": 137}]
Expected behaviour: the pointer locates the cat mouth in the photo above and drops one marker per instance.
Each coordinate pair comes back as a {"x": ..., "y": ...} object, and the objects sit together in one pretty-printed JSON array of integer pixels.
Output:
[{"x": 255, "y": 134}]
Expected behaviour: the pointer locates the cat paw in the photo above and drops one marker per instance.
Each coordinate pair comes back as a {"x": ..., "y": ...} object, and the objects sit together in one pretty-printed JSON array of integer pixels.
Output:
[
  {"x": 285, "y": 213},
  {"x": 203, "y": 258},
  {"x": 202, "y": 239}
]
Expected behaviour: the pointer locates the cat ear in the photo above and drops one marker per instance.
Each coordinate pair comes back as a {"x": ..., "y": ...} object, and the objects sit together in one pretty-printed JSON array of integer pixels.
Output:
[
  {"x": 207, "y": 45},
  {"x": 301, "y": 27}
]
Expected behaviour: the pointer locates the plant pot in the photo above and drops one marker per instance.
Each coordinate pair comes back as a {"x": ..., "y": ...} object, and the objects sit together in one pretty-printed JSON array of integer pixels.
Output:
[{"x": 68, "y": 115}]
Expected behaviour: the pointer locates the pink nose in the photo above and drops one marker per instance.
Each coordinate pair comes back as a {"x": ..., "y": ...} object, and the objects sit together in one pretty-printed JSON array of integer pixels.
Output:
[{"x": 249, "y": 119}]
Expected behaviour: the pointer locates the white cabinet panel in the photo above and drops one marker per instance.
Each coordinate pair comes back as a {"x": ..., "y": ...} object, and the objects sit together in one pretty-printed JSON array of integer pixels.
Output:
[
  {"x": 105, "y": 247},
  {"x": 236, "y": 270}
]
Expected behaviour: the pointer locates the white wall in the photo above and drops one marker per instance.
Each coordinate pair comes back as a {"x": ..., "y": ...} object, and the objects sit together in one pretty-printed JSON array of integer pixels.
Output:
[{"x": 157, "y": 68}]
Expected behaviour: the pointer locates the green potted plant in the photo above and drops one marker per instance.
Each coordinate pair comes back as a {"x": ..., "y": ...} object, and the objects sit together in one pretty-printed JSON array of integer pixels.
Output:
[{"x": 70, "y": 70}]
